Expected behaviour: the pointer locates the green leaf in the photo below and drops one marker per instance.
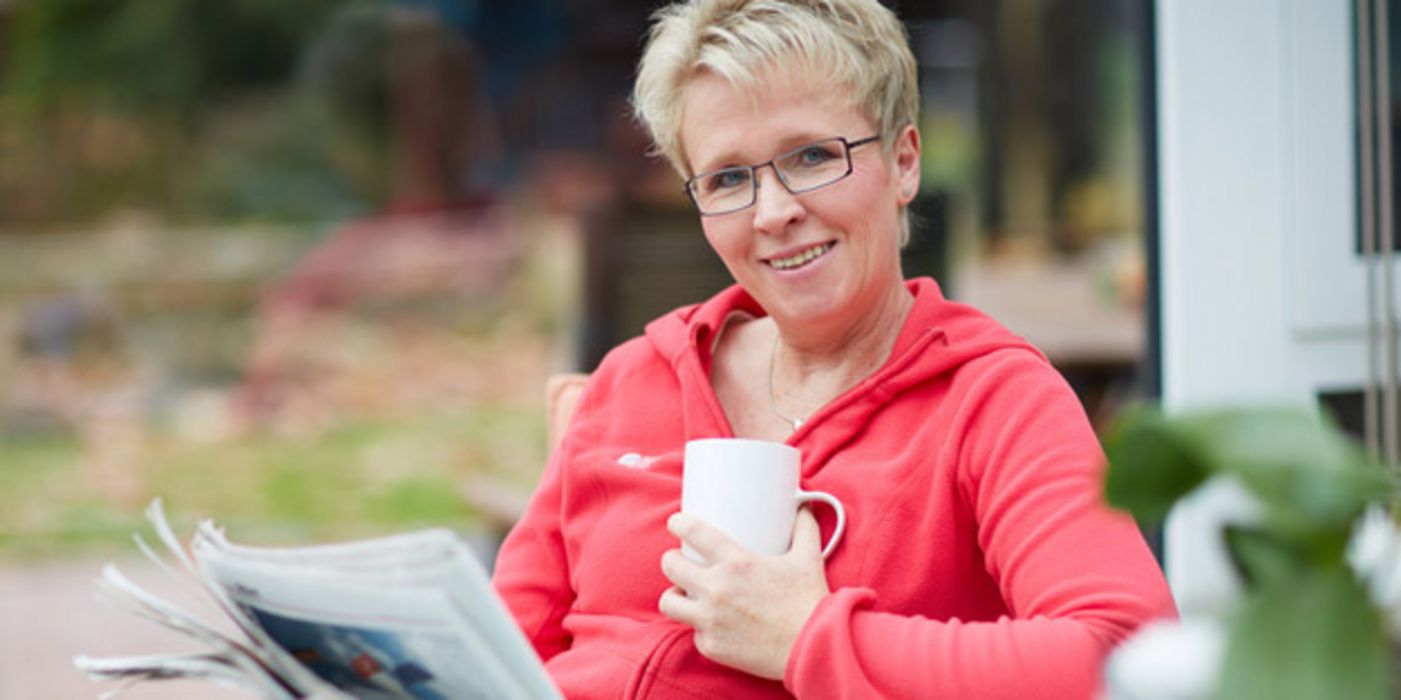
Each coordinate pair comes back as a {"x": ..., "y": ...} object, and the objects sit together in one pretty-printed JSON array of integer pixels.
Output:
[
  {"x": 1308, "y": 474},
  {"x": 1310, "y": 477},
  {"x": 1263, "y": 558},
  {"x": 1311, "y": 636},
  {"x": 1150, "y": 465}
]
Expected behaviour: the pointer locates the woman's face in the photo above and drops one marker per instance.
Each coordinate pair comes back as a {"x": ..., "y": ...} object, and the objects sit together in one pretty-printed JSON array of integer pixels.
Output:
[{"x": 823, "y": 259}]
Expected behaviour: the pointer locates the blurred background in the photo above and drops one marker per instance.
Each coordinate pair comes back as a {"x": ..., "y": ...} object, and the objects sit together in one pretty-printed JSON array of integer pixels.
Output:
[{"x": 304, "y": 267}]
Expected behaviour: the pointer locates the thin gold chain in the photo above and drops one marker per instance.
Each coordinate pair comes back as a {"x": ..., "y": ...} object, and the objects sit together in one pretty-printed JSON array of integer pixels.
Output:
[{"x": 773, "y": 401}]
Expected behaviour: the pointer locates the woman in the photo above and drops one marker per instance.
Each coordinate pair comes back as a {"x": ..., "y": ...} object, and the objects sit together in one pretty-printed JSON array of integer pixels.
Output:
[{"x": 978, "y": 560}]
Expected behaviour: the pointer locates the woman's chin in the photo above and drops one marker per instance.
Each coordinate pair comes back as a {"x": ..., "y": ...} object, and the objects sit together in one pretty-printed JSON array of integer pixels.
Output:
[{"x": 806, "y": 307}]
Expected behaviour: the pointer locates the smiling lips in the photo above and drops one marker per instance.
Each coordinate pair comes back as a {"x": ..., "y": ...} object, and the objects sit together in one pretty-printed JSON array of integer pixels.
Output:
[{"x": 800, "y": 258}]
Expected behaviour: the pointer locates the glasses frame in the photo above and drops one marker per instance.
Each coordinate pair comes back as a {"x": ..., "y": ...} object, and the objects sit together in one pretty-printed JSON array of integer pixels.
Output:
[{"x": 753, "y": 171}]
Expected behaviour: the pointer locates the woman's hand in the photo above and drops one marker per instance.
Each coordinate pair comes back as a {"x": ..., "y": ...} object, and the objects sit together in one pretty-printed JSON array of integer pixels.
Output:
[{"x": 747, "y": 609}]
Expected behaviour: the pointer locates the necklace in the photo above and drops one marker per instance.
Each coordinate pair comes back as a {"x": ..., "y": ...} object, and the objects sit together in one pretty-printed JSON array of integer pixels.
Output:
[
  {"x": 773, "y": 401},
  {"x": 884, "y": 351}
]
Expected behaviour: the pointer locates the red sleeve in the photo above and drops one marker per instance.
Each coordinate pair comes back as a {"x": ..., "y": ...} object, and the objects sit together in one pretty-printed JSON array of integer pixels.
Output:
[
  {"x": 1076, "y": 576},
  {"x": 532, "y": 567}
]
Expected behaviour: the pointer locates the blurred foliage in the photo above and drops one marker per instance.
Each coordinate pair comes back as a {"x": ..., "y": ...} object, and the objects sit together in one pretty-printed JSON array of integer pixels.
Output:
[
  {"x": 192, "y": 109},
  {"x": 353, "y": 480},
  {"x": 1305, "y": 627},
  {"x": 170, "y": 59},
  {"x": 139, "y": 388},
  {"x": 139, "y": 137}
]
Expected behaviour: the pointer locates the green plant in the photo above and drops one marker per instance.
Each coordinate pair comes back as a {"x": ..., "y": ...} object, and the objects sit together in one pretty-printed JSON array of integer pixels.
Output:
[{"x": 1305, "y": 626}]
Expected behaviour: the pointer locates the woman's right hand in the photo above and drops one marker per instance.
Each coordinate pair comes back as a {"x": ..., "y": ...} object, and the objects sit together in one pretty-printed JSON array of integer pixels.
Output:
[{"x": 747, "y": 609}]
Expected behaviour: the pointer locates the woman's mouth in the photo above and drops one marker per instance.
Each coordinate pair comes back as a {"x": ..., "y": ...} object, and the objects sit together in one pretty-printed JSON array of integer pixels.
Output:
[{"x": 801, "y": 258}]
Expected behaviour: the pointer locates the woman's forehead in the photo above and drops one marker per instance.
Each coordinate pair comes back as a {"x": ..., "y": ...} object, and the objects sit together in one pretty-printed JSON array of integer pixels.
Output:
[{"x": 724, "y": 123}]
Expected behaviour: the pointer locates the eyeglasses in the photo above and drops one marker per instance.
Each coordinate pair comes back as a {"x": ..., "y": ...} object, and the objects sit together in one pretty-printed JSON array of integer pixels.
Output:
[{"x": 803, "y": 169}]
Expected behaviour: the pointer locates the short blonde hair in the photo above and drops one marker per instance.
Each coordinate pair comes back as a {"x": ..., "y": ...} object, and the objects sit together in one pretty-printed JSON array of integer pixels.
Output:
[{"x": 859, "y": 43}]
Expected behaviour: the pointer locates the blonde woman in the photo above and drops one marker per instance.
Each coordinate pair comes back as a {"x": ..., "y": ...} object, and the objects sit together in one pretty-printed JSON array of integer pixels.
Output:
[{"x": 979, "y": 561}]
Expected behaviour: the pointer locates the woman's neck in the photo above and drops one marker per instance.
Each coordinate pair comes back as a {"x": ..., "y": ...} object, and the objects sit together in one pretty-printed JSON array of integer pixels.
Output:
[{"x": 808, "y": 369}]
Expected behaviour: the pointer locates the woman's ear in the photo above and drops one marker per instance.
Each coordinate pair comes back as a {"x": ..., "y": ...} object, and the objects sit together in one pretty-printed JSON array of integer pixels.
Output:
[{"x": 905, "y": 153}]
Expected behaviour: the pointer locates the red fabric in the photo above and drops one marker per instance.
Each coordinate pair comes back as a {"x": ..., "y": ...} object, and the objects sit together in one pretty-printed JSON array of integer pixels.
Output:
[{"x": 978, "y": 560}]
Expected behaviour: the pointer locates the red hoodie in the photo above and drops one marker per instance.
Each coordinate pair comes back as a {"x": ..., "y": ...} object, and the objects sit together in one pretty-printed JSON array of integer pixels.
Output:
[{"x": 978, "y": 561}]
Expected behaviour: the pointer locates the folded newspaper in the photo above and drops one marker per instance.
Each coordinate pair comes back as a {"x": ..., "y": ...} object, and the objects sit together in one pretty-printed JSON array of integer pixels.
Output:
[{"x": 405, "y": 616}]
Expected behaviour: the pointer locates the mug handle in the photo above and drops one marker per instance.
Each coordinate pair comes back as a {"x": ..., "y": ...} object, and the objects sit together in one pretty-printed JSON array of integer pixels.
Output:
[{"x": 829, "y": 499}]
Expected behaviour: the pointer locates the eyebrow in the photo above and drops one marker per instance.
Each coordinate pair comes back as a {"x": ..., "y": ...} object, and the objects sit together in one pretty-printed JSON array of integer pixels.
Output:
[
  {"x": 785, "y": 145},
  {"x": 729, "y": 160}
]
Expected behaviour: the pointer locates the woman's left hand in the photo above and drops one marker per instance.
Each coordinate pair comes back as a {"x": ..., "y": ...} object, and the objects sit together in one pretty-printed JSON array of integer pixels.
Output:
[{"x": 747, "y": 609}]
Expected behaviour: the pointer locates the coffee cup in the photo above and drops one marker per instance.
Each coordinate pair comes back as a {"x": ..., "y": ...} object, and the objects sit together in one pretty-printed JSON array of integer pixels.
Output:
[{"x": 749, "y": 490}]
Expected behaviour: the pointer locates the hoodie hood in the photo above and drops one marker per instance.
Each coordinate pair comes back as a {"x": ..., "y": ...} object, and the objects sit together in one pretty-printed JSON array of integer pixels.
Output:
[{"x": 938, "y": 337}]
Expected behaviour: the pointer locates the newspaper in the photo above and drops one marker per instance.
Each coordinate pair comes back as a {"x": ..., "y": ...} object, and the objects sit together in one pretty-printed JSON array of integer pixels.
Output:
[{"x": 404, "y": 616}]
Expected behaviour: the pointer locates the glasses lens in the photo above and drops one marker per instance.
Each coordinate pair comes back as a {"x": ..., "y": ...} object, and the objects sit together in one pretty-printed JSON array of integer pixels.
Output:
[
  {"x": 723, "y": 190},
  {"x": 814, "y": 165}
]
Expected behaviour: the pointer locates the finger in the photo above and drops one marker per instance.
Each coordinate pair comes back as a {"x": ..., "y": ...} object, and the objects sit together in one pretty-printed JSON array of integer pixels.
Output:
[
  {"x": 681, "y": 570},
  {"x": 675, "y": 605},
  {"x": 709, "y": 541},
  {"x": 807, "y": 535}
]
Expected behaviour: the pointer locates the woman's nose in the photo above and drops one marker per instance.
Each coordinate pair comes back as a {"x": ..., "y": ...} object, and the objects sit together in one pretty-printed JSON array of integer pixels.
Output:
[{"x": 775, "y": 208}]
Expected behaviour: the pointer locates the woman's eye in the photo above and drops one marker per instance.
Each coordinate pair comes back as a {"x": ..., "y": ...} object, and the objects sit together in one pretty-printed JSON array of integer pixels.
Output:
[
  {"x": 728, "y": 179},
  {"x": 815, "y": 155}
]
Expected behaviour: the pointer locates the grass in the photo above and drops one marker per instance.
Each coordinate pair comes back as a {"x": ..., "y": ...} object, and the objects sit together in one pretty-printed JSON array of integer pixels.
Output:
[{"x": 352, "y": 480}]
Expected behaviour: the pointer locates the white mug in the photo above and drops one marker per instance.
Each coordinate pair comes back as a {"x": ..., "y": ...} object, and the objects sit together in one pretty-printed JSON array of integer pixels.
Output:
[{"x": 749, "y": 490}]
